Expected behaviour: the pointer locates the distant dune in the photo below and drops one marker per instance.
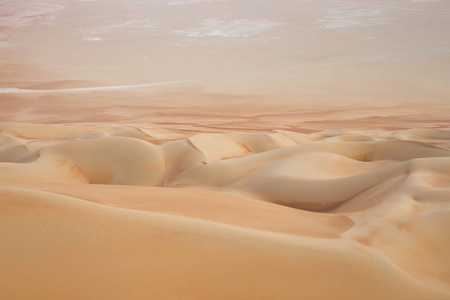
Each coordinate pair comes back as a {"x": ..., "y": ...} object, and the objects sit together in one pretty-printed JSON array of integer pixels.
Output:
[
  {"x": 224, "y": 149},
  {"x": 119, "y": 212}
]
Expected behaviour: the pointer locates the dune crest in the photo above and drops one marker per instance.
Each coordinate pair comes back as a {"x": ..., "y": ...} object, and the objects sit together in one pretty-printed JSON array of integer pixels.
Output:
[{"x": 372, "y": 206}]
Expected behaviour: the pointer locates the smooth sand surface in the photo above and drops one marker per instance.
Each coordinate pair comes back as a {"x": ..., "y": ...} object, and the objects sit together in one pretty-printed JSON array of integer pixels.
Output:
[
  {"x": 113, "y": 212},
  {"x": 224, "y": 149},
  {"x": 310, "y": 50}
]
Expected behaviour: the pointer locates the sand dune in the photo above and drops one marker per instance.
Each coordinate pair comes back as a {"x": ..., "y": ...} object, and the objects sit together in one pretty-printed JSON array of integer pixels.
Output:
[
  {"x": 219, "y": 149},
  {"x": 129, "y": 213}
]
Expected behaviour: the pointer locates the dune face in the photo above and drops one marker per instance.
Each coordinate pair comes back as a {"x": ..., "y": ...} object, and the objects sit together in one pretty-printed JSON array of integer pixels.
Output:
[
  {"x": 117, "y": 212},
  {"x": 225, "y": 149}
]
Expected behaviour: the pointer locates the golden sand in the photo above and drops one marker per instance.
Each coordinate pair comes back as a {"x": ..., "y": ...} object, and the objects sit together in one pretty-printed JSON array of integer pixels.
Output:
[{"x": 116, "y": 213}]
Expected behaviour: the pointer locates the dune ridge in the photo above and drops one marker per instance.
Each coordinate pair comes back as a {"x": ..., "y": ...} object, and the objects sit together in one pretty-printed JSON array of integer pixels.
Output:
[{"x": 128, "y": 212}]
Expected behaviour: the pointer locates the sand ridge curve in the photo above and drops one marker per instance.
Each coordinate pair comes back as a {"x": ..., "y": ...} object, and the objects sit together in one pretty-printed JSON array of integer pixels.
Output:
[{"x": 368, "y": 205}]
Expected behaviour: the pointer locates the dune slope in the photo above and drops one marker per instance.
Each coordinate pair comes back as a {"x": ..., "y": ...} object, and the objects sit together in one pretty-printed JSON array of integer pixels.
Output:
[{"x": 127, "y": 213}]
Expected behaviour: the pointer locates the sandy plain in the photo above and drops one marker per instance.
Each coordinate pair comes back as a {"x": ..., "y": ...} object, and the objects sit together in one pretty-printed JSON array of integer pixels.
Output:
[{"x": 245, "y": 150}]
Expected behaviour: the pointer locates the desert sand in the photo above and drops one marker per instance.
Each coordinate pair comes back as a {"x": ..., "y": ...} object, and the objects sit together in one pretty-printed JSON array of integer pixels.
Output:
[
  {"x": 224, "y": 149},
  {"x": 116, "y": 213}
]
